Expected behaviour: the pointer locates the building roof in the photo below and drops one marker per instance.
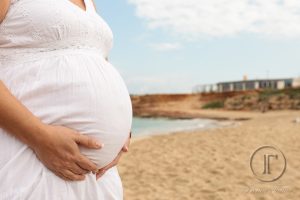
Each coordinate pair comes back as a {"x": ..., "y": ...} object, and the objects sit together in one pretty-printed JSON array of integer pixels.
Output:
[{"x": 255, "y": 80}]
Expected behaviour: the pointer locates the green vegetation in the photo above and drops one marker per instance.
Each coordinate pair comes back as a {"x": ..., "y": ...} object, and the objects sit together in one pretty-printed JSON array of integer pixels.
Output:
[
  {"x": 270, "y": 99},
  {"x": 292, "y": 93},
  {"x": 214, "y": 105}
]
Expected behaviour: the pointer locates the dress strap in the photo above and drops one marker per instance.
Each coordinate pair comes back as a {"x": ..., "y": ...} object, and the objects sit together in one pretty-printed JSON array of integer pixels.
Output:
[{"x": 89, "y": 5}]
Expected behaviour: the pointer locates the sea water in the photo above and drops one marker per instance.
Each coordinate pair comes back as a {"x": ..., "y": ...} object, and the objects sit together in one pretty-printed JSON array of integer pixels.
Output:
[{"x": 151, "y": 126}]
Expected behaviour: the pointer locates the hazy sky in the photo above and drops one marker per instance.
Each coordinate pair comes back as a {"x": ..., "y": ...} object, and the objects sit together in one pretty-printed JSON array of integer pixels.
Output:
[{"x": 172, "y": 45}]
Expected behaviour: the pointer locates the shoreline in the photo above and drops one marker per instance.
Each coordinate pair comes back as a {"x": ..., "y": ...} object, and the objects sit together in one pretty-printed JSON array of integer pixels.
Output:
[
  {"x": 223, "y": 122},
  {"x": 219, "y": 124},
  {"x": 217, "y": 114}
]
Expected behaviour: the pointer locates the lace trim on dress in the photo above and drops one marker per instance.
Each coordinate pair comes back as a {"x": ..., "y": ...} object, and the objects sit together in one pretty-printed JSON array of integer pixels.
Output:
[{"x": 71, "y": 45}]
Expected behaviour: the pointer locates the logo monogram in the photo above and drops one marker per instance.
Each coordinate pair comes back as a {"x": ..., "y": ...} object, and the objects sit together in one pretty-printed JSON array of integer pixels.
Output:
[{"x": 267, "y": 163}]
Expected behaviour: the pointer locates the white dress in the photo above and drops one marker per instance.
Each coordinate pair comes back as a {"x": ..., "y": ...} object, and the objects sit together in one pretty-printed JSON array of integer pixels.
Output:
[{"x": 52, "y": 59}]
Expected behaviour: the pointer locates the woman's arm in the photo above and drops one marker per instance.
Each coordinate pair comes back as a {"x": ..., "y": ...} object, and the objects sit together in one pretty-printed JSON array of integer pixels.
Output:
[
  {"x": 55, "y": 146},
  {"x": 4, "y": 5}
]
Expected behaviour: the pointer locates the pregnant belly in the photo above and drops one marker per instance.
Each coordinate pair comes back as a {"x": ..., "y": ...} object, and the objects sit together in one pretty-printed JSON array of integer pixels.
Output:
[{"x": 84, "y": 94}]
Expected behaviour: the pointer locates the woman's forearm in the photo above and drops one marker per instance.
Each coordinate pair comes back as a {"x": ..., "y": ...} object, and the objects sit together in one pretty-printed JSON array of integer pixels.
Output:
[{"x": 17, "y": 119}]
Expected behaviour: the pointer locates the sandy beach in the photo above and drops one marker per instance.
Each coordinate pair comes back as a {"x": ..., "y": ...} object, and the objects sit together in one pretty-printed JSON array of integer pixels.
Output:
[{"x": 214, "y": 164}]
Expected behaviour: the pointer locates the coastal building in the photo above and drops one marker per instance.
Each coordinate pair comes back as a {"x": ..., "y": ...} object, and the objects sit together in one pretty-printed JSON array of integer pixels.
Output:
[
  {"x": 244, "y": 85},
  {"x": 257, "y": 84},
  {"x": 296, "y": 83},
  {"x": 206, "y": 88}
]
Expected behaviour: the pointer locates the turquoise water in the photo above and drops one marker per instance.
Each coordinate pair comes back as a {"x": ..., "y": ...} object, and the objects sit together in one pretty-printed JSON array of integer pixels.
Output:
[{"x": 150, "y": 126}]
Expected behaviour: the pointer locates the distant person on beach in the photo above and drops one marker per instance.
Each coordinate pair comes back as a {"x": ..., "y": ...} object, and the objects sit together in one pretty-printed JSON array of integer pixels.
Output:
[{"x": 65, "y": 112}]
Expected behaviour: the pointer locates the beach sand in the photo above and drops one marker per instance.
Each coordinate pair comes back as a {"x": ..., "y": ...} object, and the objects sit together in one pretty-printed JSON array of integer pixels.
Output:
[{"x": 213, "y": 164}]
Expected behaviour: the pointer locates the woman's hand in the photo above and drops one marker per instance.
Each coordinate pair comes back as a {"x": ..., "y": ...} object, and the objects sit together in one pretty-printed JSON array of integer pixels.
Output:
[
  {"x": 124, "y": 149},
  {"x": 59, "y": 152}
]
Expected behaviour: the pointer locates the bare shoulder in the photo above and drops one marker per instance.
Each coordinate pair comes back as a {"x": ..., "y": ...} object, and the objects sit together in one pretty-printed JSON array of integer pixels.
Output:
[{"x": 4, "y": 5}]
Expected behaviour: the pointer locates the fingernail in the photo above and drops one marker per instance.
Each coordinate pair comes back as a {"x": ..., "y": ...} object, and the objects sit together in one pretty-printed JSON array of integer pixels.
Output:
[{"x": 99, "y": 145}]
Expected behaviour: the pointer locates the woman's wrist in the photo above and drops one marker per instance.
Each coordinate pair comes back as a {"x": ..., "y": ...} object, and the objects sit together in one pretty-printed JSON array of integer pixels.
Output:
[
  {"x": 33, "y": 132},
  {"x": 38, "y": 136}
]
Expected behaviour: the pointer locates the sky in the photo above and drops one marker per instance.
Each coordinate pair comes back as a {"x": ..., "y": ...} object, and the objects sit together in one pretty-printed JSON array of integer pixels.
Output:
[{"x": 170, "y": 46}]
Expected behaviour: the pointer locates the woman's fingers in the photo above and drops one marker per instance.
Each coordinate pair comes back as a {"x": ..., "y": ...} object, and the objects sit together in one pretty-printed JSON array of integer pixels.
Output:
[
  {"x": 100, "y": 173},
  {"x": 88, "y": 141},
  {"x": 67, "y": 176},
  {"x": 69, "y": 172},
  {"x": 125, "y": 148},
  {"x": 59, "y": 174},
  {"x": 76, "y": 169},
  {"x": 71, "y": 176},
  {"x": 86, "y": 164}
]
